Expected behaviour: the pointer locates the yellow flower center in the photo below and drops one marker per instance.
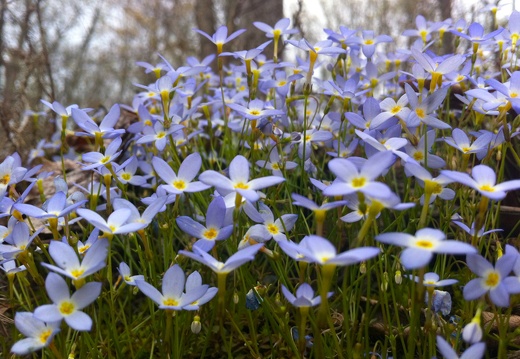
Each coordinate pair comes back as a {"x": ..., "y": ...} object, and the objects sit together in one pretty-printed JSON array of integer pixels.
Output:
[
  {"x": 179, "y": 184},
  {"x": 126, "y": 176},
  {"x": 160, "y": 135},
  {"x": 358, "y": 182},
  {"x": 369, "y": 42},
  {"x": 418, "y": 156},
  {"x": 242, "y": 185},
  {"x": 273, "y": 228},
  {"x": 437, "y": 188},
  {"x": 487, "y": 188},
  {"x": 66, "y": 308},
  {"x": 492, "y": 279},
  {"x": 170, "y": 302},
  {"x": 395, "y": 109},
  {"x": 420, "y": 113},
  {"x": 254, "y": 112},
  {"x": 210, "y": 233},
  {"x": 282, "y": 83},
  {"x": 77, "y": 272},
  {"x": 424, "y": 243},
  {"x": 5, "y": 180},
  {"x": 105, "y": 159},
  {"x": 275, "y": 166},
  {"x": 45, "y": 335}
]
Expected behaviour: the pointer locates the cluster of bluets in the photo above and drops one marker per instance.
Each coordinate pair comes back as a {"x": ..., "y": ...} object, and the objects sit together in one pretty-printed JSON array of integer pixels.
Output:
[{"x": 338, "y": 160}]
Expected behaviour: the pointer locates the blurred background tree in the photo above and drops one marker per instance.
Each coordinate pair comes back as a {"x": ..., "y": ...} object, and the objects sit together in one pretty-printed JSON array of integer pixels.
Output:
[{"x": 84, "y": 52}]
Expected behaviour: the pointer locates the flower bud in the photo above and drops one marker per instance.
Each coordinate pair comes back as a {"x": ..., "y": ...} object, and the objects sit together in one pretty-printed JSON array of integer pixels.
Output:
[
  {"x": 398, "y": 277},
  {"x": 196, "y": 326}
]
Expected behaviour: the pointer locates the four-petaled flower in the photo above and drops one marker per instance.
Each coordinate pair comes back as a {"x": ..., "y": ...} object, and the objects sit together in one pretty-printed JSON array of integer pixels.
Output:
[{"x": 422, "y": 246}]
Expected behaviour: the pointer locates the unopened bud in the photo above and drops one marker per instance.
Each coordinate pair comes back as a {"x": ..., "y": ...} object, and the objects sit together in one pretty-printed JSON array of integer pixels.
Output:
[
  {"x": 196, "y": 326},
  {"x": 384, "y": 284},
  {"x": 236, "y": 298},
  {"x": 398, "y": 277},
  {"x": 363, "y": 268}
]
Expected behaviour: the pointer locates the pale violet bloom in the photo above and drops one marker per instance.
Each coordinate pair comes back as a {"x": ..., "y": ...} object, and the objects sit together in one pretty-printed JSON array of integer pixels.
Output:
[
  {"x": 67, "y": 261},
  {"x": 471, "y": 231},
  {"x": 236, "y": 260},
  {"x": 124, "y": 271},
  {"x": 216, "y": 228},
  {"x": 368, "y": 42},
  {"x": 392, "y": 144},
  {"x": 97, "y": 159},
  {"x": 490, "y": 278},
  {"x": 276, "y": 163},
  {"x": 280, "y": 28},
  {"x": 194, "y": 281},
  {"x": 10, "y": 173},
  {"x": 183, "y": 182},
  {"x": 116, "y": 222},
  {"x": 421, "y": 152},
  {"x": 220, "y": 37},
  {"x": 304, "y": 296},
  {"x": 483, "y": 179},
  {"x": 158, "y": 134},
  {"x": 390, "y": 108},
  {"x": 104, "y": 130},
  {"x": 422, "y": 246},
  {"x": 39, "y": 334},
  {"x": 56, "y": 207},
  {"x": 126, "y": 172},
  {"x": 238, "y": 180},
  {"x": 299, "y": 200},
  {"x": 66, "y": 306},
  {"x": 436, "y": 186},
  {"x": 255, "y": 110},
  {"x": 437, "y": 68},
  {"x": 135, "y": 217},
  {"x": 461, "y": 142},
  {"x": 273, "y": 228},
  {"x": 432, "y": 279},
  {"x": 10, "y": 266},
  {"x": 18, "y": 240},
  {"x": 476, "y": 351},
  {"x": 360, "y": 212},
  {"x": 350, "y": 179},
  {"x": 316, "y": 249},
  {"x": 172, "y": 296},
  {"x": 423, "y": 110}
]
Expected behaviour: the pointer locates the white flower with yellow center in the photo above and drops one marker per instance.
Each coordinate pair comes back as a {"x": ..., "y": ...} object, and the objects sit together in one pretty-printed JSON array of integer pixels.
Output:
[
  {"x": 66, "y": 306},
  {"x": 422, "y": 246},
  {"x": 39, "y": 334}
]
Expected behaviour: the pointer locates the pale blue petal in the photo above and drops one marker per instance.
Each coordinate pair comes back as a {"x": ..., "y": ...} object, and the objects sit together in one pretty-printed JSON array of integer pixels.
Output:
[
  {"x": 478, "y": 264},
  {"x": 79, "y": 321},
  {"x": 190, "y": 226},
  {"x": 190, "y": 167},
  {"x": 57, "y": 288},
  {"x": 150, "y": 291},
  {"x": 499, "y": 296},
  {"x": 173, "y": 282},
  {"x": 86, "y": 294},
  {"x": 413, "y": 258},
  {"x": 474, "y": 289},
  {"x": 48, "y": 313}
]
